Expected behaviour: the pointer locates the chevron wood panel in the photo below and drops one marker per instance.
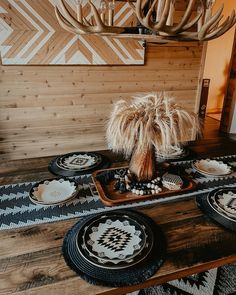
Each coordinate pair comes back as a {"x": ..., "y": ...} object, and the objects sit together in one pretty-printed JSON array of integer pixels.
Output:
[{"x": 31, "y": 35}]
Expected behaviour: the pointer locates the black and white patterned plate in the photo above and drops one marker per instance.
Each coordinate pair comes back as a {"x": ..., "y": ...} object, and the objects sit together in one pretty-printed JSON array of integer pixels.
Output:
[
  {"x": 77, "y": 163},
  {"x": 225, "y": 202},
  {"x": 115, "y": 241},
  {"x": 135, "y": 273},
  {"x": 220, "y": 205}
]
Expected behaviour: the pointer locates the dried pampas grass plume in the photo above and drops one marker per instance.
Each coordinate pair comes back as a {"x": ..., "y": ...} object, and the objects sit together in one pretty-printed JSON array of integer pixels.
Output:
[{"x": 154, "y": 120}]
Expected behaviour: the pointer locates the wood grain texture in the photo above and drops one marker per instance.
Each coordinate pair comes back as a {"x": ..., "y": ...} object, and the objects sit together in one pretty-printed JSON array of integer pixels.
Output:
[
  {"x": 30, "y": 34},
  {"x": 31, "y": 260},
  {"x": 47, "y": 110}
]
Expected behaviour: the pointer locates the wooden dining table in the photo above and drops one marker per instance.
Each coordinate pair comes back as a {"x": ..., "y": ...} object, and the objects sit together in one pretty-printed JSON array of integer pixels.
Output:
[{"x": 30, "y": 257}]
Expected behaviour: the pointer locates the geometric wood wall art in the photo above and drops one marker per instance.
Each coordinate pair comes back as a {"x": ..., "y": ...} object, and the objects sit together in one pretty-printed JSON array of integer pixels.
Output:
[{"x": 31, "y": 35}]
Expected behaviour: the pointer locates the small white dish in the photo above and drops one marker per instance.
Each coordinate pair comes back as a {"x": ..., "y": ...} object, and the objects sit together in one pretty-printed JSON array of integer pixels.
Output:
[
  {"x": 212, "y": 167},
  {"x": 173, "y": 152},
  {"x": 53, "y": 192}
]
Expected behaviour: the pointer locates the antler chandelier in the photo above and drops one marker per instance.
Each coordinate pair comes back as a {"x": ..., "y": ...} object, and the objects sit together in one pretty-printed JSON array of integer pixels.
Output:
[{"x": 155, "y": 20}]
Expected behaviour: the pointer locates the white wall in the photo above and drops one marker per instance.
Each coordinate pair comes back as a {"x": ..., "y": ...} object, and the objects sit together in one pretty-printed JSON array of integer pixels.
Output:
[{"x": 217, "y": 61}]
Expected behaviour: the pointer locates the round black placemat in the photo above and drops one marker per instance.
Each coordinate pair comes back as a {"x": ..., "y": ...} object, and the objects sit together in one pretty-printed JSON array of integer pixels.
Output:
[
  {"x": 115, "y": 277},
  {"x": 56, "y": 170},
  {"x": 206, "y": 204}
]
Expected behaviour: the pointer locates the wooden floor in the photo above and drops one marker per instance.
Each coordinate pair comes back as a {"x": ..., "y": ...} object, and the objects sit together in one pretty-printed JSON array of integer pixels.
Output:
[
  {"x": 216, "y": 116},
  {"x": 211, "y": 128}
]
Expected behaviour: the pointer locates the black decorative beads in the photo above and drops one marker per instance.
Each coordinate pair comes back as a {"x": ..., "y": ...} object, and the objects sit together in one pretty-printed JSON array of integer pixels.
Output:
[{"x": 124, "y": 183}]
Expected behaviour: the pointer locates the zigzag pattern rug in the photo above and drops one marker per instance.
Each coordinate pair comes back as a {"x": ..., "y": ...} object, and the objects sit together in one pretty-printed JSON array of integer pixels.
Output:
[
  {"x": 217, "y": 281},
  {"x": 16, "y": 209}
]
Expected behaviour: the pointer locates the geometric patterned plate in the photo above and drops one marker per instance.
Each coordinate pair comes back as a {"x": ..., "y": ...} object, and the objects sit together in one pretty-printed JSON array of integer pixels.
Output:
[
  {"x": 220, "y": 205},
  {"x": 112, "y": 276},
  {"x": 225, "y": 201},
  {"x": 77, "y": 163},
  {"x": 114, "y": 237},
  {"x": 114, "y": 241}
]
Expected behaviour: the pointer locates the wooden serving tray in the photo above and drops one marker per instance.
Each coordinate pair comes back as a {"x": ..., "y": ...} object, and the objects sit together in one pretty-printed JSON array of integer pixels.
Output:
[{"x": 104, "y": 182}]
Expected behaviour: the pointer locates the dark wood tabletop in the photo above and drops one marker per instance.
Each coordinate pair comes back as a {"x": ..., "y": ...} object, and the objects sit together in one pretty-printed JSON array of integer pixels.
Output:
[{"x": 31, "y": 260}]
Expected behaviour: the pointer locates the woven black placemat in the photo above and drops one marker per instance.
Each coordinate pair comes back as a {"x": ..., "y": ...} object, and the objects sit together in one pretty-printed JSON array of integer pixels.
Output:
[
  {"x": 220, "y": 216},
  {"x": 57, "y": 170},
  {"x": 115, "y": 277}
]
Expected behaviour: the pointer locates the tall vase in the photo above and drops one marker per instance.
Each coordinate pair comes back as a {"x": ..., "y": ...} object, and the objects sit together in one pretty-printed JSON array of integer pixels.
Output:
[{"x": 143, "y": 165}]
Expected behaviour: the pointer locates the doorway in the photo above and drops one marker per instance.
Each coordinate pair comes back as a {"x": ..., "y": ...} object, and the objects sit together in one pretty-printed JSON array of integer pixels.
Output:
[{"x": 217, "y": 69}]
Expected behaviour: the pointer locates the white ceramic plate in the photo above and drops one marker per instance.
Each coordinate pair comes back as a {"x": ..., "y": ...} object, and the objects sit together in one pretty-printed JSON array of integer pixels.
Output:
[
  {"x": 174, "y": 152},
  {"x": 212, "y": 167},
  {"x": 53, "y": 192}
]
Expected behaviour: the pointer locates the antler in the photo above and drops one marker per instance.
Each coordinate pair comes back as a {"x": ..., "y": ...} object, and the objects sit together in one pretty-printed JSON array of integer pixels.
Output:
[
  {"x": 154, "y": 15},
  {"x": 82, "y": 26},
  {"x": 210, "y": 29},
  {"x": 208, "y": 34},
  {"x": 160, "y": 24}
]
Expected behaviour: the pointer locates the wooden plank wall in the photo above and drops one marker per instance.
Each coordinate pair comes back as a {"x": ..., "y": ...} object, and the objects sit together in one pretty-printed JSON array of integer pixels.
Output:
[{"x": 49, "y": 110}]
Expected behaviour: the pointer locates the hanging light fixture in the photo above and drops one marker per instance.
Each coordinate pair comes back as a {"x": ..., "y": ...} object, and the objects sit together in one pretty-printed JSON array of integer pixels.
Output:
[{"x": 155, "y": 20}]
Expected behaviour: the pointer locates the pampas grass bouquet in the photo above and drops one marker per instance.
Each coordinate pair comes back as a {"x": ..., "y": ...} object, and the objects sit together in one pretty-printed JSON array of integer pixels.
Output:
[{"x": 148, "y": 123}]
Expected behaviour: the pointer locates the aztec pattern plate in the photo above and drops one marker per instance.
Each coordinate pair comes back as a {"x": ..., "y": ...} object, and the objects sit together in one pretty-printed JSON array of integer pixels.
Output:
[
  {"x": 212, "y": 167},
  {"x": 53, "y": 191},
  {"x": 77, "y": 163},
  {"x": 224, "y": 201},
  {"x": 220, "y": 205},
  {"x": 115, "y": 242},
  {"x": 143, "y": 265}
]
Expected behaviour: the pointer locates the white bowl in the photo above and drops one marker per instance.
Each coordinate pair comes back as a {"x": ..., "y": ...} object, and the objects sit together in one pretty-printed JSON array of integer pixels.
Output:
[
  {"x": 53, "y": 192},
  {"x": 174, "y": 152},
  {"x": 212, "y": 167}
]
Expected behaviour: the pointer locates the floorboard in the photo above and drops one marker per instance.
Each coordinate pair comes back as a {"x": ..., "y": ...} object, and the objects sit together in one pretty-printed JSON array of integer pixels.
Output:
[{"x": 211, "y": 128}]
